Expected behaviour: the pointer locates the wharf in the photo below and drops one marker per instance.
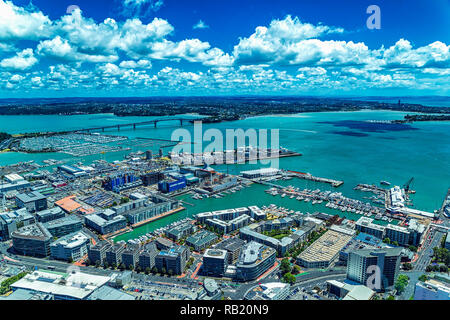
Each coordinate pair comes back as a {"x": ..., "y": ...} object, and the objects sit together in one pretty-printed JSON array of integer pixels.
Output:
[
  {"x": 308, "y": 176},
  {"x": 165, "y": 214},
  {"x": 447, "y": 197}
]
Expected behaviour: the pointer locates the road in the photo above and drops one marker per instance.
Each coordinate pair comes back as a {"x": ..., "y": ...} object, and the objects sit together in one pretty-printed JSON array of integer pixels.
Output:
[{"x": 425, "y": 255}]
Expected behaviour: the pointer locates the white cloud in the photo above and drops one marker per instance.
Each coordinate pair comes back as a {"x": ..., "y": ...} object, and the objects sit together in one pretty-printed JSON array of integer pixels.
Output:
[
  {"x": 21, "y": 61},
  {"x": 140, "y": 7},
  {"x": 200, "y": 25},
  {"x": 17, "y": 23},
  {"x": 141, "y": 64}
]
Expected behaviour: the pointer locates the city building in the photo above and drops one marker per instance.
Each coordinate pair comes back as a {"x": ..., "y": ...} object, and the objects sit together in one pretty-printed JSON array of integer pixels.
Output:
[
  {"x": 64, "y": 226},
  {"x": 349, "y": 290},
  {"x": 447, "y": 241},
  {"x": 181, "y": 231},
  {"x": 114, "y": 254},
  {"x": 121, "y": 181},
  {"x": 269, "y": 291},
  {"x": 253, "y": 233},
  {"x": 11, "y": 219},
  {"x": 50, "y": 214},
  {"x": 145, "y": 208},
  {"x": 130, "y": 256},
  {"x": 33, "y": 201},
  {"x": 201, "y": 240},
  {"x": 147, "y": 256},
  {"x": 152, "y": 178},
  {"x": 416, "y": 232},
  {"x": 110, "y": 294},
  {"x": 17, "y": 186},
  {"x": 71, "y": 247},
  {"x": 8, "y": 225},
  {"x": 233, "y": 246},
  {"x": 98, "y": 223},
  {"x": 259, "y": 173},
  {"x": 432, "y": 290},
  {"x": 215, "y": 262},
  {"x": 254, "y": 260},
  {"x": 167, "y": 186},
  {"x": 324, "y": 250},
  {"x": 63, "y": 286},
  {"x": 163, "y": 243},
  {"x": 363, "y": 263},
  {"x": 366, "y": 225},
  {"x": 68, "y": 204},
  {"x": 172, "y": 260},
  {"x": 33, "y": 240},
  {"x": 97, "y": 252},
  {"x": 361, "y": 241},
  {"x": 397, "y": 234}
]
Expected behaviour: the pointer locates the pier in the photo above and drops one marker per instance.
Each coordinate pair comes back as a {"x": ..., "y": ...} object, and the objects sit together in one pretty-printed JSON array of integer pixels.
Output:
[{"x": 308, "y": 176}]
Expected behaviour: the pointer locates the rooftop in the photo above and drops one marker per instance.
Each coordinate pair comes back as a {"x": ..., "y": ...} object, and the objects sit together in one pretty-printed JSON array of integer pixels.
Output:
[
  {"x": 75, "y": 285},
  {"x": 326, "y": 247}
]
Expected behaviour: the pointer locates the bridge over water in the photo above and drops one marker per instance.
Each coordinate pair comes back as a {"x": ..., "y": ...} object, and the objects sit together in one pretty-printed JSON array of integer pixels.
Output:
[{"x": 132, "y": 125}]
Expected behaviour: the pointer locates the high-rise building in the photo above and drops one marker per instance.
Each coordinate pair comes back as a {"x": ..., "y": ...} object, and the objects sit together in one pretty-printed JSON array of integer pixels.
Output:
[
  {"x": 97, "y": 252},
  {"x": 173, "y": 259},
  {"x": 147, "y": 256},
  {"x": 33, "y": 240},
  {"x": 215, "y": 262},
  {"x": 365, "y": 263}
]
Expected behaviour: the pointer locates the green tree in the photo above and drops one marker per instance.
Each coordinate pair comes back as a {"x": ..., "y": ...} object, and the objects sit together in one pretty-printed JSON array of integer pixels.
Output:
[
  {"x": 289, "y": 278},
  {"x": 401, "y": 283},
  {"x": 285, "y": 266},
  {"x": 147, "y": 270},
  {"x": 408, "y": 266},
  {"x": 387, "y": 240},
  {"x": 423, "y": 278}
]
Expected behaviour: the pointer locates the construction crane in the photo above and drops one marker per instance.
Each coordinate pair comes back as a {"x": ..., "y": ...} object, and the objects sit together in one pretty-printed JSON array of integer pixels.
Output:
[{"x": 407, "y": 185}]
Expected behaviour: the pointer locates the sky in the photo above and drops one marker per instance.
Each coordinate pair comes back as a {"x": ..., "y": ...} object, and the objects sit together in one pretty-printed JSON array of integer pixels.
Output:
[{"x": 125, "y": 48}]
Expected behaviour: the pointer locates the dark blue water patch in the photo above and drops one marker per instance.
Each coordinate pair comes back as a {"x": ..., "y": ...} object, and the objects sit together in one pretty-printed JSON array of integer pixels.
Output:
[
  {"x": 370, "y": 126},
  {"x": 387, "y": 138},
  {"x": 351, "y": 133}
]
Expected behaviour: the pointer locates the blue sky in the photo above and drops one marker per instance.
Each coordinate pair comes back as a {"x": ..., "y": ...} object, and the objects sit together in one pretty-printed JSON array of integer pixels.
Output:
[{"x": 175, "y": 47}]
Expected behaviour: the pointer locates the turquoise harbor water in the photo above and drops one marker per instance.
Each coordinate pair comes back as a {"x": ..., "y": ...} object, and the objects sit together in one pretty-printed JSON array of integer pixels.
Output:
[{"x": 339, "y": 145}]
